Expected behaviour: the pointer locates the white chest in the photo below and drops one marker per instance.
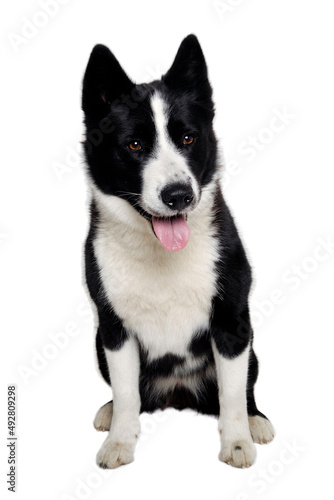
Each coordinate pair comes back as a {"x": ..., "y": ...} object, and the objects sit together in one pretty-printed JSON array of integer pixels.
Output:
[{"x": 162, "y": 297}]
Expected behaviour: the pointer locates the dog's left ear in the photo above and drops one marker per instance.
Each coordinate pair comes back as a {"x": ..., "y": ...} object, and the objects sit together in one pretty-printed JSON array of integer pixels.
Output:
[
  {"x": 189, "y": 68},
  {"x": 104, "y": 82}
]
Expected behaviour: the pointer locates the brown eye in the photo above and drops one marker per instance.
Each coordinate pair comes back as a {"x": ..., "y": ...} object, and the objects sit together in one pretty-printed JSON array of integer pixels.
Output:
[
  {"x": 135, "y": 146},
  {"x": 188, "y": 139}
]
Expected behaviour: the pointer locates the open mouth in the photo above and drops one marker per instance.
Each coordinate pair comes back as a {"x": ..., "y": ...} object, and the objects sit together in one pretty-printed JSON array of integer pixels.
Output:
[{"x": 172, "y": 232}]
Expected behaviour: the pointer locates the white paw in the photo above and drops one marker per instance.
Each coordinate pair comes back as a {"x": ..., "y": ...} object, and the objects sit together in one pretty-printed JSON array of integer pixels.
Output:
[
  {"x": 103, "y": 417},
  {"x": 261, "y": 429},
  {"x": 240, "y": 453},
  {"x": 113, "y": 454}
]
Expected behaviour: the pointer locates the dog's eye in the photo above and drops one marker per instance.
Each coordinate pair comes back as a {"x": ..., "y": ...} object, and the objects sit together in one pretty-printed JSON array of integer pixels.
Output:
[
  {"x": 135, "y": 146},
  {"x": 188, "y": 139}
]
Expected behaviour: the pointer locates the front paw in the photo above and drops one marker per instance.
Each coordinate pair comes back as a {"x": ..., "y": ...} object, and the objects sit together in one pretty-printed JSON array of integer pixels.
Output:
[
  {"x": 112, "y": 454},
  {"x": 240, "y": 453}
]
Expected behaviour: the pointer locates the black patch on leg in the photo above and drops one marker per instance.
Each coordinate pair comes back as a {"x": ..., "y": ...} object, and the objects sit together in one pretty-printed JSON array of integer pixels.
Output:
[
  {"x": 208, "y": 402},
  {"x": 230, "y": 325},
  {"x": 112, "y": 332},
  {"x": 253, "y": 371},
  {"x": 231, "y": 332},
  {"x": 200, "y": 345},
  {"x": 101, "y": 358}
]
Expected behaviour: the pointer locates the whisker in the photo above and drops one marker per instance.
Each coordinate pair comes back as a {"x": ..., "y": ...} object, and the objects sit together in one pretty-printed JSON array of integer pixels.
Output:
[{"x": 127, "y": 193}]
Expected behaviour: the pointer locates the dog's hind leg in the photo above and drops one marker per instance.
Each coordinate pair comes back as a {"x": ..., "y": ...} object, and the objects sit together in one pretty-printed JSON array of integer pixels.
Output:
[
  {"x": 260, "y": 426},
  {"x": 102, "y": 421},
  {"x": 261, "y": 429}
]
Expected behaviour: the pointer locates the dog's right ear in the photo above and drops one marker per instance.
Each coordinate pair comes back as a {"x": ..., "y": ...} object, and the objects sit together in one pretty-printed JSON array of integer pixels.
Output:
[
  {"x": 189, "y": 68},
  {"x": 104, "y": 82}
]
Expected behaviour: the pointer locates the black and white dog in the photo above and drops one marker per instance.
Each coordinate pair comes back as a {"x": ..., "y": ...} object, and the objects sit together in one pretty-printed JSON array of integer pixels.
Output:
[{"x": 165, "y": 266}]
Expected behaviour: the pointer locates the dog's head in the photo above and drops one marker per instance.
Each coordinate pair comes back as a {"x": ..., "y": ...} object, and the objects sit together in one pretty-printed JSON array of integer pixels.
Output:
[{"x": 151, "y": 144}]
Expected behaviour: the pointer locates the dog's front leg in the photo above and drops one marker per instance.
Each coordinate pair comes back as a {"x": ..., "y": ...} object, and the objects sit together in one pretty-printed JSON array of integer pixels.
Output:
[
  {"x": 231, "y": 355},
  {"x": 119, "y": 446}
]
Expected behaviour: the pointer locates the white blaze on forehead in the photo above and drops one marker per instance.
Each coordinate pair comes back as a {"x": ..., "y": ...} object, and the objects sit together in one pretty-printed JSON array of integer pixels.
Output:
[
  {"x": 167, "y": 165},
  {"x": 160, "y": 116}
]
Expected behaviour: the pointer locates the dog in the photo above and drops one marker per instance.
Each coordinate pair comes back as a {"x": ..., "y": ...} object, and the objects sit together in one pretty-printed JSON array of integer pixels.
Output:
[{"x": 165, "y": 266}]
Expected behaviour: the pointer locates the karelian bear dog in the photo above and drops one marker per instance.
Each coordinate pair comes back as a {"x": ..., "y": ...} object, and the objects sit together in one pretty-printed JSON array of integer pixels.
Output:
[{"x": 165, "y": 265}]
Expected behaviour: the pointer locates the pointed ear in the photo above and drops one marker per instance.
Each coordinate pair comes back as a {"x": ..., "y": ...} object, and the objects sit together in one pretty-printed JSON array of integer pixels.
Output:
[
  {"x": 104, "y": 81},
  {"x": 189, "y": 68}
]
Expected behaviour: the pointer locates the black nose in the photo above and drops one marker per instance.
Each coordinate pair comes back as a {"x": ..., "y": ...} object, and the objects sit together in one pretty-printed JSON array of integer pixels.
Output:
[{"x": 177, "y": 196}]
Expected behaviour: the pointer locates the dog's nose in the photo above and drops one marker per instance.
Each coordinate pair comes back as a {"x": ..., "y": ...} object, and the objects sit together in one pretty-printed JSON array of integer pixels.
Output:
[{"x": 177, "y": 196}]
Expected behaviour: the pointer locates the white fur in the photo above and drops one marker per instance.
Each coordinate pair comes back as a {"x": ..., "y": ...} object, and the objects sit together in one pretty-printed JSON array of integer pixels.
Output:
[
  {"x": 167, "y": 165},
  {"x": 162, "y": 297},
  {"x": 261, "y": 429},
  {"x": 237, "y": 447},
  {"x": 123, "y": 365},
  {"x": 103, "y": 417}
]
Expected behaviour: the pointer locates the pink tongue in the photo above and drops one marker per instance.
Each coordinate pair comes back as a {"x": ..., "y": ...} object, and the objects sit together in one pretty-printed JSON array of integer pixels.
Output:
[{"x": 173, "y": 233}]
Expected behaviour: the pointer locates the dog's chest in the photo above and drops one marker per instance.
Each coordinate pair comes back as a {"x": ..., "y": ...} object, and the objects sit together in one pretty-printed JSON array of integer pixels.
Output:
[{"x": 162, "y": 297}]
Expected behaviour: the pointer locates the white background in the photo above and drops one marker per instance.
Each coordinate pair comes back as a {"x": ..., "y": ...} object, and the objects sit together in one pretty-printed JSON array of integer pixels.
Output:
[{"x": 264, "y": 57}]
